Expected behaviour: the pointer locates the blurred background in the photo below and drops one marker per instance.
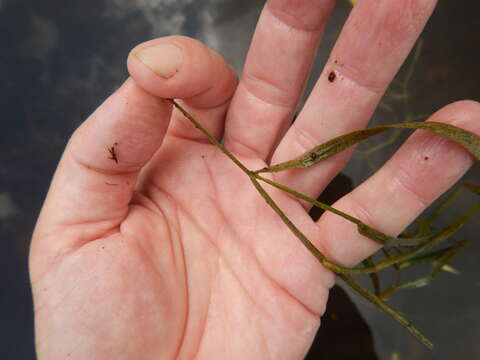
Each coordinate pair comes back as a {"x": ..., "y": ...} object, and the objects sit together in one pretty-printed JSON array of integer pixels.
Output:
[{"x": 60, "y": 59}]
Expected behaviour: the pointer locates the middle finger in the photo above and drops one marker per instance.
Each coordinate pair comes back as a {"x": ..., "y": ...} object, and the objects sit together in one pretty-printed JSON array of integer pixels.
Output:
[
  {"x": 373, "y": 44},
  {"x": 277, "y": 66}
]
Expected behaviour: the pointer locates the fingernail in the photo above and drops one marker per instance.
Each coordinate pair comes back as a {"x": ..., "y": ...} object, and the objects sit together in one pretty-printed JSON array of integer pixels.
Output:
[{"x": 163, "y": 59}]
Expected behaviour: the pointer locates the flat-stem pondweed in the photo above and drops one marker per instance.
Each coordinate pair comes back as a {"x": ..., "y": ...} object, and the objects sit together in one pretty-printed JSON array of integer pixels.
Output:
[{"x": 406, "y": 250}]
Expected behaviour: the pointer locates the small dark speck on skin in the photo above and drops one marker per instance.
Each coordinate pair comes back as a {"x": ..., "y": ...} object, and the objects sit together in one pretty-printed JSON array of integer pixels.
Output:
[
  {"x": 103, "y": 247},
  {"x": 203, "y": 156},
  {"x": 426, "y": 158},
  {"x": 111, "y": 184},
  {"x": 332, "y": 76},
  {"x": 113, "y": 153}
]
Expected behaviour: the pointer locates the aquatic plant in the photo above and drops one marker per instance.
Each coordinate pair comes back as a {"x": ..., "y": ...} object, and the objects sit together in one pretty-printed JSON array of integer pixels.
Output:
[{"x": 417, "y": 246}]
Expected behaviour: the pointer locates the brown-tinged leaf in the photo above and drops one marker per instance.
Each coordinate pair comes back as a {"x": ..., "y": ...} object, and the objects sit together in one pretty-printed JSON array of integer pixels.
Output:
[{"x": 466, "y": 139}]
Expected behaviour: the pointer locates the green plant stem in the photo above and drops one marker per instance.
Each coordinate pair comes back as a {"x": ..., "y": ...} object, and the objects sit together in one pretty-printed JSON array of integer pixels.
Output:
[
  {"x": 387, "y": 309},
  {"x": 317, "y": 203},
  {"x": 352, "y": 283},
  {"x": 427, "y": 244},
  {"x": 209, "y": 136},
  {"x": 363, "y": 228},
  {"x": 373, "y": 276},
  {"x": 307, "y": 243}
]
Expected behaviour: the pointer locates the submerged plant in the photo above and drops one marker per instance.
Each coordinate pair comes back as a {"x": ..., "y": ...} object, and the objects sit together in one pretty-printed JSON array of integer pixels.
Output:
[{"x": 417, "y": 246}]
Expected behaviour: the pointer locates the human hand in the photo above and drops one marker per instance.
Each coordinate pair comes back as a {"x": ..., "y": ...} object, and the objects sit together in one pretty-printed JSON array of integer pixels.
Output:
[{"x": 153, "y": 245}]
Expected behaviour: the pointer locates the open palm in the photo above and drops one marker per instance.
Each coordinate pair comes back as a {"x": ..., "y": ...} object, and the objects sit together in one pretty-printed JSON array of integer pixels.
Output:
[{"x": 154, "y": 245}]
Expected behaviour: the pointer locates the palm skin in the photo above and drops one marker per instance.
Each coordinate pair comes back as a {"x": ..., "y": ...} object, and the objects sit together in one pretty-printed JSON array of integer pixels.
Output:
[
  {"x": 226, "y": 291},
  {"x": 167, "y": 251}
]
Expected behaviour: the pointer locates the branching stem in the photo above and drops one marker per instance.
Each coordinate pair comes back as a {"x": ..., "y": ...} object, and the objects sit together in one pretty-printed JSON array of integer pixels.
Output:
[{"x": 367, "y": 231}]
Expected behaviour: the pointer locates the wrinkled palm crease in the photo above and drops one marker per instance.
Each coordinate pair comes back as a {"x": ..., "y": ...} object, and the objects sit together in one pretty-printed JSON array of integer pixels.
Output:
[{"x": 422, "y": 245}]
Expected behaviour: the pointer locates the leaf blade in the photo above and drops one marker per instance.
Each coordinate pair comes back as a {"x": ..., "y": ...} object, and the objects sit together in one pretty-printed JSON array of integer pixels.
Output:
[{"x": 464, "y": 138}]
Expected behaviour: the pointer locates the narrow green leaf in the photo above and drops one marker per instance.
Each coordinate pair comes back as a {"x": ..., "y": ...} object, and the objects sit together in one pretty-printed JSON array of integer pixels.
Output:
[
  {"x": 466, "y": 139},
  {"x": 426, "y": 258},
  {"x": 439, "y": 263}
]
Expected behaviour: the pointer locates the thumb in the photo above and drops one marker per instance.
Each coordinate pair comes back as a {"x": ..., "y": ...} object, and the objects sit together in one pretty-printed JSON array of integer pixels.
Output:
[{"x": 94, "y": 182}]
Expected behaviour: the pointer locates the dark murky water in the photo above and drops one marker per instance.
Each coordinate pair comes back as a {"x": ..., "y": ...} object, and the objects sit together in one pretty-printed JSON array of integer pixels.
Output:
[{"x": 58, "y": 62}]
